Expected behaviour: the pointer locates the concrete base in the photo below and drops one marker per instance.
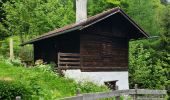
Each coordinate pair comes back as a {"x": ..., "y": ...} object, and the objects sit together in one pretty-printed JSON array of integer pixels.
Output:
[{"x": 100, "y": 77}]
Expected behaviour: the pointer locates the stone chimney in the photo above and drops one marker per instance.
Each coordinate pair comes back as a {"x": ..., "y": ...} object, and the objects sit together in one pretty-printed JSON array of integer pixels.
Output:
[{"x": 81, "y": 10}]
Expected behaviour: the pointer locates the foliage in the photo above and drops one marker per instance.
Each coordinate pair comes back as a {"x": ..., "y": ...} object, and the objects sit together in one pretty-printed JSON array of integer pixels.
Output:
[
  {"x": 98, "y": 6},
  {"x": 10, "y": 89},
  {"x": 3, "y": 32},
  {"x": 4, "y": 47},
  {"x": 164, "y": 49},
  {"x": 145, "y": 70},
  {"x": 89, "y": 86},
  {"x": 42, "y": 83},
  {"x": 147, "y": 14},
  {"x": 34, "y": 17},
  {"x": 149, "y": 60}
]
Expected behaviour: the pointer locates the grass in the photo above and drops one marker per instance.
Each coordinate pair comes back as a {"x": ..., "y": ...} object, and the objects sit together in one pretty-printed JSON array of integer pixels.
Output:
[{"x": 44, "y": 83}]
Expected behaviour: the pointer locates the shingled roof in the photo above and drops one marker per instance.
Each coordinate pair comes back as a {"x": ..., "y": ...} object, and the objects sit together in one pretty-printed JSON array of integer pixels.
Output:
[{"x": 86, "y": 23}]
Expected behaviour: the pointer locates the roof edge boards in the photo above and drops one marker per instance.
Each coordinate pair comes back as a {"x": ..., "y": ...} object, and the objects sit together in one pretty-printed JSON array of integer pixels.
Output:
[
  {"x": 98, "y": 20},
  {"x": 134, "y": 23},
  {"x": 51, "y": 35}
]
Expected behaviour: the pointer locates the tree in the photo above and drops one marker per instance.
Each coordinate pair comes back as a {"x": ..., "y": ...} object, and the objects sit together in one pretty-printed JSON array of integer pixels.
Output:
[
  {"x": 3, "y": 31},
  {"x": 35, "y": 17},
  {"x": 147, "y": 14},
  {"x": 2, "y": 15},
  {"x": 145, "y": 69},
  {"x": 164, "y": 48},
  {"x": 98, "y": 6},
  {"x": 149, "y": 66}
]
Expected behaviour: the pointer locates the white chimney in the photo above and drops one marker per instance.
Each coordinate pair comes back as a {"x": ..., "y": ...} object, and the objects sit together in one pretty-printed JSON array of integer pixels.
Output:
[{"x": 81, "y": 10}]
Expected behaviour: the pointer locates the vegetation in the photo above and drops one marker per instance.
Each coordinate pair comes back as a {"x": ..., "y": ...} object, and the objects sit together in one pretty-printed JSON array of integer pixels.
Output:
[
  {"x": 37, "y": 82},
  {"x": 149, "y": 58}
]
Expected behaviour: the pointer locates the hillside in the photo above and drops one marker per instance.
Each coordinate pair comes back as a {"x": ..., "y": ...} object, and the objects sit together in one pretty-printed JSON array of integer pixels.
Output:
[{"x": 38, "y": 82}]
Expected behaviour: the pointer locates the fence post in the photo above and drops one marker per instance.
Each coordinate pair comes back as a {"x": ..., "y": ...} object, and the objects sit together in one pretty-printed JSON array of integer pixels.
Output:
[
  {"x": 18, "y": 98},
  {"x": 163, "y": 95},
  {"x": 135, "y": 95},
  {"x": 78, "y": 92},
  {"x": 58, "y": 63},
  {"x": 117, "y": 97}
]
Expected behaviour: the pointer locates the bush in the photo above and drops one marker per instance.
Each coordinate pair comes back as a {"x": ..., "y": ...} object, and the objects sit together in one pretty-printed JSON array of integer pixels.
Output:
[
  {"x": 14, "y": 62},
  {"x": 45, "y": 67},
  {"x": 10, "y": 89}
]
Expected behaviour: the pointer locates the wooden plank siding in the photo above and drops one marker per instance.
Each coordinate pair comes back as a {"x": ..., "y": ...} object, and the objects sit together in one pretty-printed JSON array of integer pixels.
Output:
[
  {"x": 102, "y": 54},
  {"x": 103, "y": 48}
]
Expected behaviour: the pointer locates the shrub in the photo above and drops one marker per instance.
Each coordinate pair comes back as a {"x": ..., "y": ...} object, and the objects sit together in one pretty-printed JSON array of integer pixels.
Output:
[
  {"x": 10, "y": 89},
  {"x": 16, "y": 62},
  {"x": 44, "y": 67}
]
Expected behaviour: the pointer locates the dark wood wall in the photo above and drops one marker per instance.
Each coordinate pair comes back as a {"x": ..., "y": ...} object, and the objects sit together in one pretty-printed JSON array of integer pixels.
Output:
[
  {"x": 44, "y": 50},
  {"x": 104, "y": 47},
  {"x": 48, "y": 49}
]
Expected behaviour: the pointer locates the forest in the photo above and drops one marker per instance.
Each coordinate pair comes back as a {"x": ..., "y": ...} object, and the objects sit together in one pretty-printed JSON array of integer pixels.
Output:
[{"x": 149, "y": 59}]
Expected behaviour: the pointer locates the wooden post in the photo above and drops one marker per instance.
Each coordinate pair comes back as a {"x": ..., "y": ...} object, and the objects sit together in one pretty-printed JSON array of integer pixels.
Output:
[
  {"x": 117, "y": 97},
  {"x": 18, "y": 98},
  {"x": 135, "y": 95},
  {"x": 81, "y": 62},
  {"x": 11, "y": 50},
  {"x": 78, "y": 92},
  {"x": 163, "y": 95},
  {"x": 58, "y": 59},
  {"x": 117, "y": 87}
]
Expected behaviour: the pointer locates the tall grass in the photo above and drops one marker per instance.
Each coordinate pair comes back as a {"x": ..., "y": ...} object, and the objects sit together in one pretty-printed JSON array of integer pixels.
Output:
[{"x": 42, "y": 82}]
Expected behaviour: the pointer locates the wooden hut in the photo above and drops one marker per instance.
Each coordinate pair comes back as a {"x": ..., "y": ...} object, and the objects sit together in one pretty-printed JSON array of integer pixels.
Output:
[{"x": 96, "y": 44}]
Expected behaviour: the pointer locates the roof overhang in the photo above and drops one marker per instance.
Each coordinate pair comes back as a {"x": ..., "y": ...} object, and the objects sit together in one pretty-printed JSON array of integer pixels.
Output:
[
  {"x": 51, "y": 35},
  {"x": 82, "y": 25}
]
